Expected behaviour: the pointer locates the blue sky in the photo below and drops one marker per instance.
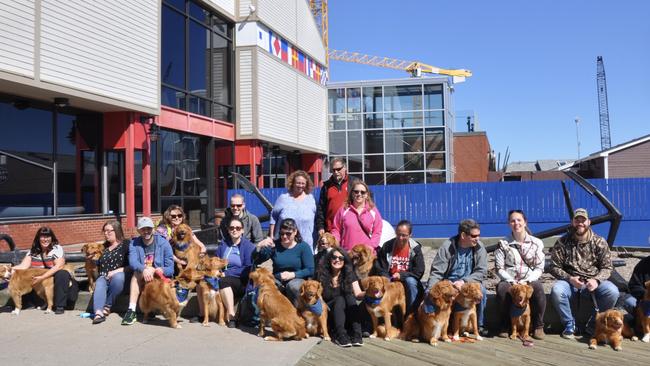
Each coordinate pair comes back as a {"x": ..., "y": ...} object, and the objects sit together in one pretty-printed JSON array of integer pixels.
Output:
[{"x": 534, "y": 63}]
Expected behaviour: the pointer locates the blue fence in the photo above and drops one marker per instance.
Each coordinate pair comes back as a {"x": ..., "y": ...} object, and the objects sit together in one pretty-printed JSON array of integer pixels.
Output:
[{"x": 436, "y": 209}]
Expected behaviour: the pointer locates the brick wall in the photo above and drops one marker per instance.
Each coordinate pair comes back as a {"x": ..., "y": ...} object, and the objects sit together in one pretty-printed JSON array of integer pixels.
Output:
[
  {"x": 471, "y": 157},
  {"x": 69, "y": 232}
]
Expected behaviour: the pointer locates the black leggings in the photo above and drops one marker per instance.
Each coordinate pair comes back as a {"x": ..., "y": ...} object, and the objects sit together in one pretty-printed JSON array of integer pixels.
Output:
[
  {"x": 345, "y": 315},
  {"x": 66, "y": 290},
  {"x": 235, "y": 283},
  {"x": 537, "y": 303}
]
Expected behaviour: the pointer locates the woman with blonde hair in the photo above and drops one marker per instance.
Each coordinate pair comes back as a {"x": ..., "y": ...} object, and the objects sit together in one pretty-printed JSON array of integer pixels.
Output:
[
  {"x": 172, "y": 218},
  {"x": 358, "y": 221}
]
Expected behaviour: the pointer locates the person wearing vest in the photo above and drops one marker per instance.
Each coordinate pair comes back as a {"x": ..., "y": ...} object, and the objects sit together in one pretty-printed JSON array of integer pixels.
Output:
[
  {"x": 462, "y": 258},
  {"x": 358, "y": 221},
  {"x": 401, "y": 259},
  {"x": 333, "y": 195}
]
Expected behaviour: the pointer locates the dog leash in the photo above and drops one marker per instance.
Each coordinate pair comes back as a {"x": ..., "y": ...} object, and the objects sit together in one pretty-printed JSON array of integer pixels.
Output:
[{"x": 525, "y": 342}]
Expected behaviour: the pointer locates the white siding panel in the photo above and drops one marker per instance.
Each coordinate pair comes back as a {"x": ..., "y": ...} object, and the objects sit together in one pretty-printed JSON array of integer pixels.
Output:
[
  {"x": 277, "y": 99},
  {"x": 244, "y": 8},
  {"x": 105, "y": 48},
  {"x": 309, "y": 39},
  {"x": 312, "y": 130},
  {"x": 227, "y": 5},
  {"x": 17, "y": 37},
  {"x": 280, "y": 15},
  {"x": 245, "y": 88}
]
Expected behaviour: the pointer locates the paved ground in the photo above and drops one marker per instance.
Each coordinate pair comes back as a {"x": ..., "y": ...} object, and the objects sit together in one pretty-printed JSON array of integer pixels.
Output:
[{"x": 35, "y": 338}]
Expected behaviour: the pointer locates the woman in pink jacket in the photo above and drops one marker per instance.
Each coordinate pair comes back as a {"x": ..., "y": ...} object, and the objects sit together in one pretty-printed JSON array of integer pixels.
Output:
[{"x": 358, "y": 221}]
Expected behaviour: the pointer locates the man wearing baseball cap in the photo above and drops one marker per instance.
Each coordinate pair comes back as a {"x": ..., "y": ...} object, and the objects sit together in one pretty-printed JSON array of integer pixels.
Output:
[
  {"x": 149, "y": 255},
  {"x": 581, "y": 262}
]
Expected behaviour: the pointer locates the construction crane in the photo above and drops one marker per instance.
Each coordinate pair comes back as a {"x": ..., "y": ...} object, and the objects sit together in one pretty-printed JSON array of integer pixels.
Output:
[
  {"x": 603, "y": 109},
  {"x": 415, "y": 68}
]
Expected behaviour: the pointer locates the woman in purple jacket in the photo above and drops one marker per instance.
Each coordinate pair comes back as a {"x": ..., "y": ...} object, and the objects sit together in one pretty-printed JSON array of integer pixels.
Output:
[{"x": 238, "y": 251}]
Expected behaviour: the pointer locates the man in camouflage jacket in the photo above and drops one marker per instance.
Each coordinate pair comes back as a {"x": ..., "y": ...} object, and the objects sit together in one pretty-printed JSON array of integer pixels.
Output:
[{"x": 581, "y": 261}]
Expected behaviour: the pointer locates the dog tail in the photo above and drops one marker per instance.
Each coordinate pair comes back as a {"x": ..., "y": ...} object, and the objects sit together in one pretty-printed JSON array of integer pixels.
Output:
[{"x": 411, "y": 328}]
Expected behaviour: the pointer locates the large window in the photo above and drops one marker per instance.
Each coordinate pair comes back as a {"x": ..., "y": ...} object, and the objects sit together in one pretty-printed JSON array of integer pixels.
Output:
[
  {"x": 49, "y": 161},
  {"x": 196, "y": 60}
]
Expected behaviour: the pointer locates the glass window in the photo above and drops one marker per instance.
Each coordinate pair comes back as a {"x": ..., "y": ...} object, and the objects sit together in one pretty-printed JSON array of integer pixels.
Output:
[
  {"x": 374, "y": 120},
  {"x": 336, "y": 122},
  {"x": 405, "y": 178},
  {"x": 433, "y": 118},
  {"x": 398, "y": 141},
  {"x": 173, "y": 41},
  {"x": 336, "y": 101},
  {"x": 337, "y": 143},
  {"x": 173, "y": 98},
  {"x": 374, "y": 141},
  {"x": 403, "y": 119},
  {"x": 372, "y": 99},
  {"x": 373, "y": 163},
  {"x": 435, "y": 177},
  {"x": 199, "y": 13},
  {"x": 178, "y": 4},
  {"x": 198, "y": 55},
  {"x": 403, "y": 162},
  {"x": 170, "y": 172},
  {"x": 354, "y": 142},
  {"x": 199, "y": 106},
  {"x": 374, "y": 179},
  {"x": 221, "y": 62},
  {"x": 221, "y": 26},
  {"x": 434, "y": 139},
  {"x": 354, "y": 121},
  {"x": 436, "y": 161},
  {"x": 221, "y": 112},
  {"x": 354, "y": 100},
  {"x": 355, "y": 163},
  {"x": 433, "y": 97},
  {"x": 403, "y": 97}
]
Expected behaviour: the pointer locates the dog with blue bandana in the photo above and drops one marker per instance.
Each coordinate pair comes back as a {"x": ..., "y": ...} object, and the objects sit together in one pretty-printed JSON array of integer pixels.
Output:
[
  {"x": 431, "y": 321},
  {"x": 313, "y": 309}
]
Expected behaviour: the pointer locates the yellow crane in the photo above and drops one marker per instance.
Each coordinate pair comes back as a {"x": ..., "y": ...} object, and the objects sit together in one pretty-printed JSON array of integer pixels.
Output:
[{"x": 415, "y": 68}]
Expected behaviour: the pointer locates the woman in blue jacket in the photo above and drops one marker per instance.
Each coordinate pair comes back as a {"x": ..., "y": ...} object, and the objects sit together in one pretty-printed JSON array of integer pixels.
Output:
[{"x": 238, "y": 251}]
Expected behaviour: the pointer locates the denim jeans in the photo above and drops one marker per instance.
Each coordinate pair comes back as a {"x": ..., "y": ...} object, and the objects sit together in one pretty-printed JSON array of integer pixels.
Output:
[
  {"x": 414, "y": 291},
  {"x": 629, "y": 304},
  {"x": 480, "y": 309},
  {"x": 291, "y": 288},
  {"x": 107, "y": 290},
  {"x": 563, "y": 292}
]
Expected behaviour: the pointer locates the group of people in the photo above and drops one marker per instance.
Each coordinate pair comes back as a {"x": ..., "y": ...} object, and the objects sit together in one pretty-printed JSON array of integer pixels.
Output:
[{"x": 580, "y": 260}]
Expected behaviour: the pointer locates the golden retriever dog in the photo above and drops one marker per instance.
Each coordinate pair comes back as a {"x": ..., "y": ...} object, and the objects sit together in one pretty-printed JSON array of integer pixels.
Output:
[
  {"x": 276, "y": 308},
  {"x": 381, "y": 297},
  {"x": 208, "y": 289},
  {"x": 362, "y": 258},
  {"x": 643, "y": 314},
  {"x": 609, "y": 327},
  {"x": 313, "y": 309},
  {"x": 184, "y": 248},
  {"x": 431, "y": 321},
  {"x": 93, "y": 252},
  {"x": 520, "y": 311},
  {"x": 159, "y": 295},
  {"x": 465, "y": 318},
  {"x": 327, "y": 241},
  {"x": 20, "y": 283}
]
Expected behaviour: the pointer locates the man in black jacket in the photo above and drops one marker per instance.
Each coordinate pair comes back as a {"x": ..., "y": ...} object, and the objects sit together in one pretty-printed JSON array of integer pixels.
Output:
[
  {"x": 640, "y": 276},
  {"x": 252, "y": 228},
  {"x": 333, "y": 194},
  {"x": 401, "y": 259}
]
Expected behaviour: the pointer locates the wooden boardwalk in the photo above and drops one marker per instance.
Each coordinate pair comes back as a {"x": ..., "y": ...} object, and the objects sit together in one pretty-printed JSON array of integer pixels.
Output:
[{"x": 491, "y": 351}]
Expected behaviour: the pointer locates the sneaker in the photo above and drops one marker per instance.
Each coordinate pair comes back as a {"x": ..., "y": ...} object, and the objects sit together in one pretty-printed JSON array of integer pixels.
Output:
[
  {"x": 538, "y": 334},
  {"x": 129, "y": 318},
  {"x": 232, "y": 324},
  {"x": 483, "y": 332},
  {"x": 343, "y": 341},
  {"x": 98, "y": 319},
  {"x": 503, "y": 334},
  {"x": 357, "y": 341},
  {"x": 59, "y": 311},
  {"x": 568, "y": 334}
]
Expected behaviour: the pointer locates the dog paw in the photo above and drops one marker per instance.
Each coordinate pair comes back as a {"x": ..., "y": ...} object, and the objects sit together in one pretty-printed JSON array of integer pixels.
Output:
[
  {"x": 372, "y": 336},
  {"x": 205, "y": 324},
  {"x": 327, "y": 338},
  {"x": 268, "y": 338},
  {"x": 646, "y": 338},
  {"x": 592, "y": 346},
  {"x": 48, "y": 311},
  {"x": 387, "y": 338},
  {"x": 479, "y": 338},
  {"x": 465, "y": 334},
  {"x": 455, "y": 338},
  {"x": 415, "y": 340},
  {"x": 619, "y": 348},
  {"x": 634, "y": 338},
  {"x": 434, "y": 344},
  {"x": 178, "y": 326},
  {"x": 15, "y": 312}
]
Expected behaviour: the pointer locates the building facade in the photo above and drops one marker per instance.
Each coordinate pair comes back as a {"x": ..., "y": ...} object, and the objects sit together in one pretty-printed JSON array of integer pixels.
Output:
[
  {"x": 120, "y": 109},
  {"x": 393, "y": 131}
]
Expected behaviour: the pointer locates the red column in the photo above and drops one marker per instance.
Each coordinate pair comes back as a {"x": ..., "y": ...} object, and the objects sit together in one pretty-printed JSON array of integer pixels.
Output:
[
  {"x": 146, "y": 175},
  {"x": 129, "y": 172}
]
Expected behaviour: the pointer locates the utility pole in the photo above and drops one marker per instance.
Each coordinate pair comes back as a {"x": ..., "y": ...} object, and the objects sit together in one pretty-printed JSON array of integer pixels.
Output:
[{"x": 577, "y": 120}]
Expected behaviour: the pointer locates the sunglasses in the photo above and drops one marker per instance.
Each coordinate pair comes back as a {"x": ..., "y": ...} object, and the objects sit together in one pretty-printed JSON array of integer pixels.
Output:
[
  {"x": 473, "y": 236},
  {"x": 237, "y": 206},
  {"x": 286, "y": 233},
  {"x": 235, "y": 228},
  {"x": 337, "y": 258},
  {"x": 179, "y": 216},
  {"x": 337, "y": 169},
  {"x": 363, "y": 193}
]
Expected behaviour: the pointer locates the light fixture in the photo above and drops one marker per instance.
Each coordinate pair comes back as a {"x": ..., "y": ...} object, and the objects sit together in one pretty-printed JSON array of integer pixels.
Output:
[
  {"x": 61, "y": 102},
  {"x": 154, "y": 129}
]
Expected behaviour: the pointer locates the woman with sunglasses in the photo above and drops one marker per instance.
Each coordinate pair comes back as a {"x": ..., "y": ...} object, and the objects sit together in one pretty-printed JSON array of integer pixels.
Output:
[
  {"x": 293, "y": 259},
  {"x": 358, "y": 221},
  {"x": 519, "y": 258},
  {"x": 340, "y": 291},
  {"x": 172, "y": 217},
  {"x": 238, "y": 250}
]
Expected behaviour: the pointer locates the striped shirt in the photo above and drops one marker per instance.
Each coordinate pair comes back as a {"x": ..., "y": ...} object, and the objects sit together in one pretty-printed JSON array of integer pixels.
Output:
[{"x": 46, "y": 260}]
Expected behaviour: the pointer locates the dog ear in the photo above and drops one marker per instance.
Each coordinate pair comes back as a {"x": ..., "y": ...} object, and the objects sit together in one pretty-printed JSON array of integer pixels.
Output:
[
  {"x": 84, "y": 249},
  {"x": 511, "y": 291},
  {"x": 529, "y": 291},
  {"x": 647, "y": 283},
  {"x": 319, "y": 290},
  {"x": 386, "y": 282},
  {"x": 302, "y": 289},
  {"x": 364, "y": 283}
]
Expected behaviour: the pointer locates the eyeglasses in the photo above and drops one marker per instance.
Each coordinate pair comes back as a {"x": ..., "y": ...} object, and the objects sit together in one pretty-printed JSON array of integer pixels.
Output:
[
  {"x": 108, "y": 231},
  {"x": 235, "y": 228},
  {"x": 237, "y": 205},
  {"x": 179, "y": 216},
  {"x": 337, "y": 258},
  {"x": 473, "y": 236},
  {"x": 337, "y": 169},
  {"x": 363, "y": 193},
  {"x": 286, "y": 233}
]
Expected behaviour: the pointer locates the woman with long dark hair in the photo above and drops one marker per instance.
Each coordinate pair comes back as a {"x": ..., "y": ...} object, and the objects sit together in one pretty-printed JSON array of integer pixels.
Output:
[
  {"x": 340, "y": 291},
  {"x": 110, "y": 266},
  {"x": 47, "y": 253},
  {"x": 293, "y": 259}
]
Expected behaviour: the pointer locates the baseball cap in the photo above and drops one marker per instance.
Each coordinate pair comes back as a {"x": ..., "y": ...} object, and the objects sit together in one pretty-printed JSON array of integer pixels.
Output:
[
  {"x": 145, "y": 222},
  {"x": 581, "y": 212}
]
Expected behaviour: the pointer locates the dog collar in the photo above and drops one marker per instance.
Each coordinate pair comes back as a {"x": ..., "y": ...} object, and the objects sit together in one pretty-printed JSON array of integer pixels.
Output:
[
  {"x": 458, "y": 307},
  {"x": 182, "y": 247},
  {"x": 212, "y": 281},
  {"x": 645, "y": 306},
  {"x": 372, "y": 301},
  {"x": 429, "y": 306},
  {"x": 517, "y": 311},
  {"x": 316, "y": 308},
  {"x": 181, "y": 294}
]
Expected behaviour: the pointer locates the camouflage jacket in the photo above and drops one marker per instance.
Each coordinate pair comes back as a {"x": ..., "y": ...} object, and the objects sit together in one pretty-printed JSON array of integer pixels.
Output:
[{"x": 590, "y": 259}]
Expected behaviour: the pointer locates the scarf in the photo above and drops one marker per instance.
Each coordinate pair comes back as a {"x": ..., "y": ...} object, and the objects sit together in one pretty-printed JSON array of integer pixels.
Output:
[
  {"x": 212, "y": 281},
  {"x": 316, "y": 308},
  {"x": 428, "y": 306}
]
